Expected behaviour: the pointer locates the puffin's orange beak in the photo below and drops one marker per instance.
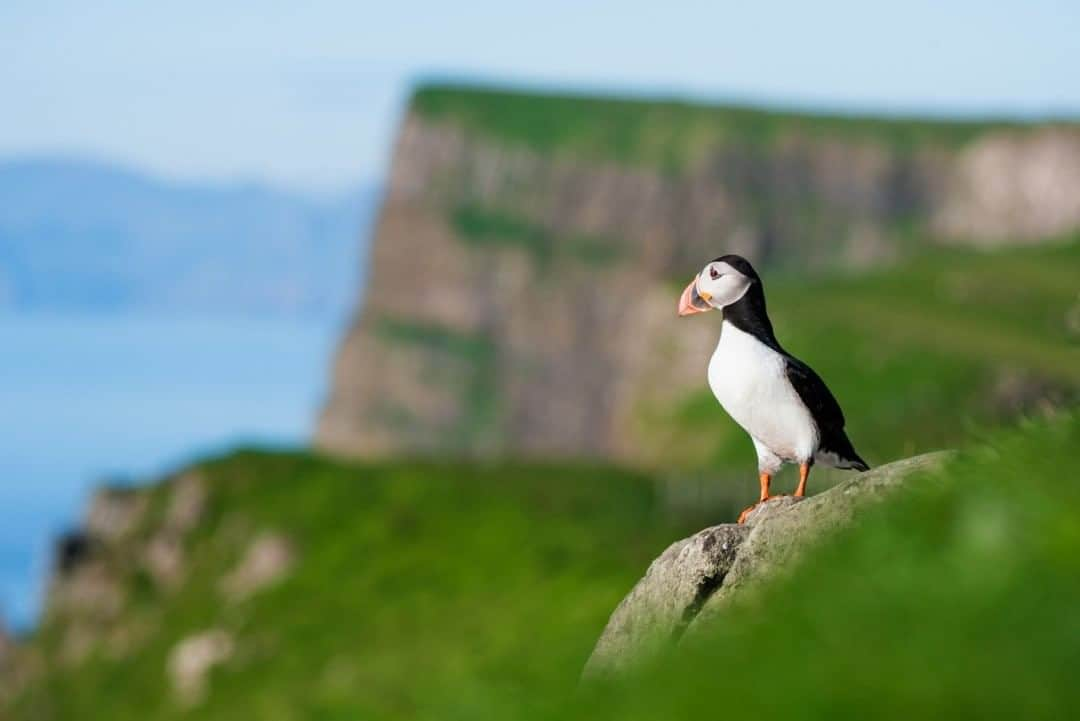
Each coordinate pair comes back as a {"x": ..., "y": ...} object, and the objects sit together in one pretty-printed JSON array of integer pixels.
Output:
[{"x": 691, "y": 301}]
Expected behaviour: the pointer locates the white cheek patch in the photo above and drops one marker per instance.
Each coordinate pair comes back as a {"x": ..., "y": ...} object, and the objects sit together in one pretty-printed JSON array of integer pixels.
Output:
[
  {"x": 729, "y": 287},
  {"x": 740, "y": 290}
]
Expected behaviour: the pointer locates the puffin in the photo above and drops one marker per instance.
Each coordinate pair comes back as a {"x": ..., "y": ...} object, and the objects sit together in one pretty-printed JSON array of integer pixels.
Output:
[{"x": 785, "y": 407}]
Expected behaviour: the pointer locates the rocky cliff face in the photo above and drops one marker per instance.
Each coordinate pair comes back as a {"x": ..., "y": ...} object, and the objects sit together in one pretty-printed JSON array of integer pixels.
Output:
[{"x": 523, "y": 278}]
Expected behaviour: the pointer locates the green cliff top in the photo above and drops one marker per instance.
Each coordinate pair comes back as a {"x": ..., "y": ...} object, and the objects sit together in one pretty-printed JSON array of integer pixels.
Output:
[{"x": 661, "y": 131}]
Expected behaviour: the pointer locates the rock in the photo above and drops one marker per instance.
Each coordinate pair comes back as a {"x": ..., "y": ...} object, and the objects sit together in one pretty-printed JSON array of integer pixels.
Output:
[
  {"x": 163, "y": 558},
  {"x": 90, "y": 590},
  {"x": 20, "y": 664},
  {"x": 267, "y": 560},
  {"x": 779, "y": 534},
  {"x": 72, "y": 550},
  {"x": 694, "y": 578},
  {"x": 191, "y": 660},
  {"x": 114, "y": 513},
  {"x": 78, "y": 641},
  {"x": 186, "y": 504},
  {"x": 657, "y": 611},
  {"x": 163, "y": 555},
  {"x": 1013, "y": 186}
]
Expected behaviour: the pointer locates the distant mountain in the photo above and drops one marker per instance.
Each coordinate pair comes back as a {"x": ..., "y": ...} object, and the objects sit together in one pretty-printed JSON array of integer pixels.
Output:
[{"x": 77, "y": 235}]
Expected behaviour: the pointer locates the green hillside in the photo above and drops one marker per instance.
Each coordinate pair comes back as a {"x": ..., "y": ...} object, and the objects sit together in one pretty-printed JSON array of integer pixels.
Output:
[
  {"x": 419, "y": 588},
  {"x": 449, "y": 591}
]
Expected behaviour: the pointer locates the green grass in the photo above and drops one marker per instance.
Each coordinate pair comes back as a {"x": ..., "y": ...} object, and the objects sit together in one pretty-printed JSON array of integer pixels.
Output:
[
  {"x": 663, "y": 133},
  {"x": 451, "y": 591},
  {"x": 493, "y": 229},
  {"x": 595, "y": 251},
  {"x": 421, "y": 588},
  {"x": 470, "y": 347}
]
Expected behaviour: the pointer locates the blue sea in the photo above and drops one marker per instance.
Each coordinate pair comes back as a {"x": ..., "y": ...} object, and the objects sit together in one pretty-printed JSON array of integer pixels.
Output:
[{"x": 87, "y": 399}]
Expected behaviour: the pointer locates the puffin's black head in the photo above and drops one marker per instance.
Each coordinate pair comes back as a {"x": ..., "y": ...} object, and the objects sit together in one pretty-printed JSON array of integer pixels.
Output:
[{"x": 719, "y": 284}]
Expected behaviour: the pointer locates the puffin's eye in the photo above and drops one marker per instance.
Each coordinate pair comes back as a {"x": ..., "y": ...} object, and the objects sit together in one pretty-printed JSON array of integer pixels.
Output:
[{"x": 714, "y": 273}]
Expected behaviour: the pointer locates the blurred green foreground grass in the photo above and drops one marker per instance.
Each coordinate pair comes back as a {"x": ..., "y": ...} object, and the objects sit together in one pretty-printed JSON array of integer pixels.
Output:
[{"x": 451, "y": 591}]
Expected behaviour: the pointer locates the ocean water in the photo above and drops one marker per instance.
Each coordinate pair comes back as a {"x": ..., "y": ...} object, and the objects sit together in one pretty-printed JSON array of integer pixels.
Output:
[{"x": 84, "y": 399}]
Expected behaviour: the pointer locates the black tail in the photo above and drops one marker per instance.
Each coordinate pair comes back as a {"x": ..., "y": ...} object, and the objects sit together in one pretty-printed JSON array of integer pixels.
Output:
[
  {"x": 856, "y": 464},
  {"x": 838, "y": 452}
]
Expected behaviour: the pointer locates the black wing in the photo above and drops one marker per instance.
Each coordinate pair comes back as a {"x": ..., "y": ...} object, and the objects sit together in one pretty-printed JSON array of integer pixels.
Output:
[
  {"x": 815, "y": 395},
  {"x": 826, "y": 413}
]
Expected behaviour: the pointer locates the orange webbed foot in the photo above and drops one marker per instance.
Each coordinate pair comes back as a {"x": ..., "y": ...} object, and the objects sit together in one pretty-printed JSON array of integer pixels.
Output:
[{"x": 747, "y": 511}]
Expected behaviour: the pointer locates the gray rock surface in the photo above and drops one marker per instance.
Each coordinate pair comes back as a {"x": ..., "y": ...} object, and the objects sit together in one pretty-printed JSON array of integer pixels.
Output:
[
  {"x": 268, "y": 559},
  {"x": 662, "y": 604},
  {"x": 692, "y": 581}
]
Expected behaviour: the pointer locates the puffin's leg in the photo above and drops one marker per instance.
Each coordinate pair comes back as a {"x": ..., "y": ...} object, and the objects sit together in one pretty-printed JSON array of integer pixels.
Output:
[
  {"x": 804, "y": 473},
  {"x": 764, "y": 479}
]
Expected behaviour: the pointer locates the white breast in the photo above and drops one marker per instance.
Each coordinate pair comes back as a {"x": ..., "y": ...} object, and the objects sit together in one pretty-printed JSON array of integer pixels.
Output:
[{"x": 750, "y": 381}]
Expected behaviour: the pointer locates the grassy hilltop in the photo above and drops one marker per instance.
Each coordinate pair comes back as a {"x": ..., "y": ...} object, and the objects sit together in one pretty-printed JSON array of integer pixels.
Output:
[{"x": 666, "y": 134}]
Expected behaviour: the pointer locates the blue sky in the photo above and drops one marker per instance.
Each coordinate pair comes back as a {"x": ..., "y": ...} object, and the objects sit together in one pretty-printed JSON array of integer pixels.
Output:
[{"x": 305, "y": 95}]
